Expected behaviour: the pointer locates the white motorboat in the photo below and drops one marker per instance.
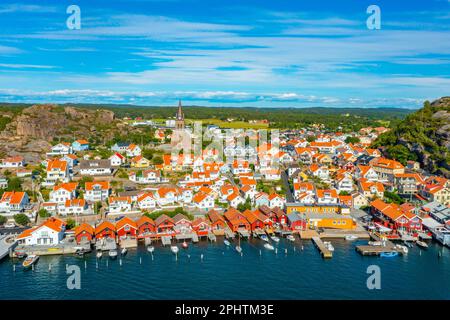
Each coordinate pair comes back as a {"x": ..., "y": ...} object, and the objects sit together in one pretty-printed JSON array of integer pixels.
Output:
[
  {"x": 328, "y": 245},
  {"x": 422, "y": 244},
  {"x": 150, "y": 249},
  {"x": 351, "y": 237},
  {"x": 112, "y": 253},
  {"x": 30, "y": 261},
  {"x": 174, "y": 249},
  {"x": 99, "y": 254},
  {"x": 290, "y": 237},
  {"x": 264, "y": 238},
  {"x": 124, "y": 251},
  {"x": 185, "y": 245},
  {"x": 226, "y": 242},
  {"x": 403, "y": 248},
  {"x": 239, "y": 249},
  {"x": 268, "y": 246},
  {"x": 275, "y": 239}
]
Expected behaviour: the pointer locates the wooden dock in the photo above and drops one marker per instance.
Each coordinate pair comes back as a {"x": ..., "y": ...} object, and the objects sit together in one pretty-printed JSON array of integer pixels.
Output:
[
  {"x": 368, "y": 250},
  {"x": 321, "y": 246},
  {"x": 166, "y": 240},
  {"x": 212, "y": 237},
  {"x": 229, "y": 234},
  {"x": 244, "y": 233}
]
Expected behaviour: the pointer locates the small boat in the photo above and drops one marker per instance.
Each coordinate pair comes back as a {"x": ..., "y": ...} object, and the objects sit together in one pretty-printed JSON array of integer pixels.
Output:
[
  {"x": 124, "y": 251},
  {"x": 268, "y": 246},
  {"x": 328, "y": 245},
  {"x": 290, "y": 237},
  {"x": 408, "y": 244},
  {"x": 264, "y": 238},
  {"x": 112, "y": 253},
  {"x": 376, "y": 243},
  {"x": 185, "y": 245},
  {"x": 174, "y": 249},
  {"x": 238, "y": 249},
  {"x": 99, "y": 254},
  {"x": 226, "y": 242},
  {"x": 388, "y": 254},
  {"x": 30, "y": 261},
  {"x": 20, "y": 253},
  {"x": 275, "y": 239},
  {"x": 422, "y": 244},
  {"x": 150, "y": 249},
  {"x": 403, "y": 248},
  {"x": 351, "y": 237}
]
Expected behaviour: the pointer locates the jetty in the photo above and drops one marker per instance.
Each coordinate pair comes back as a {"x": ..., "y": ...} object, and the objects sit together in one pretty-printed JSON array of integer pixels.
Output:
[
  {"x": 7, "y": 244},
  {"x": 212, "y": 237},
  {"x": 321, "y": 246},
  {"x": 229, "y": 234},
  {"x": 368, "y": 250},
  {"x": 166, "y": 240},
  {"x": 105, "y": 244},
  {"x": 244, "y": 233},
  {"x": 341, "y": 234}
]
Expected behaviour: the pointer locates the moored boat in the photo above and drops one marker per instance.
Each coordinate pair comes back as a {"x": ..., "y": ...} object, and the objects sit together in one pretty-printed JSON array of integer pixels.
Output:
[
  {"x": 30, "y": 261},
  {"x": 150, "y": 249},
  {"x": 408, "y": 244},
  {"x": 185, "y": 245},
  {"x": 275, "y": 239},
  {"x": 264, "y": 238},
  {"x": 404, "y": 249},
  {"x": 99, "y": 254},
  {"x": 351, "y": 237},
  {"x": 124, "y": 251},
  {"x": 238, "y": 249},
  {"x": 290, "y": 237},
  {"x": 388, "y": 254},
  {"x": 174, "y": 249},
  {"x": 20, "y": 253},
  {"x": 268, "y": 246},
  {"x": 422, "y": 244},
  {"x": 226, "y": 242},
  {"x": 112, "y": 253},
  {"x": 328, "y": 245}
]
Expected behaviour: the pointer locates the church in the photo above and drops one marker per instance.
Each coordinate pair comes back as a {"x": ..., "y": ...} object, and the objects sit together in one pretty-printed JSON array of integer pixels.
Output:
[{"x": 179, "y": 122}]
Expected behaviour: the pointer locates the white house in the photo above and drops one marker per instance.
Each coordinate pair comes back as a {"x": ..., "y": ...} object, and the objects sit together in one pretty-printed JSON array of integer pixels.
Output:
[
  {"x": 116, "y": 160},
  {"x": 57, "y": 170},
  {"x": 275, "y": 200},
  {"x": 13, "y": 202},
  {"x": 63, "y": 192},
  {"x": 146, "y": 201},
  {"x": 60, "y": 149},
  {"x": 203, "y": 201},
  {"x": 51, "y": 232},
  {"x": 12, "y": 162},
  {"x": 97, "y": 191},
  {"x": 133, "y": 151},
  {"x": 74, "y": 207},
  {"x": 327, "y": 197},
  {"x": 95, "y": 167},
  {"x": 120, "y": 204}
]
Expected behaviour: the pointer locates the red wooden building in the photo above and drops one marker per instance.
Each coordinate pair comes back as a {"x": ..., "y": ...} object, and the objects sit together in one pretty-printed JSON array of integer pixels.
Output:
[
  {"x": 84, "y": 233},
  {"x": 236, "y": 220},
  {"x": 126, "y": 228},
  {"x": 146, "y": 227},
  {"x": 164, "y": 224},
  {"x": 254, "y": 220},
  {"x": 105, "y": 230},
  {"x": 201, "y": 226}
]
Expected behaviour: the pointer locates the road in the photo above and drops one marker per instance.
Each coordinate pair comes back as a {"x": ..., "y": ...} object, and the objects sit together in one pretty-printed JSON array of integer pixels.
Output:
[{"x": 285, "y": 180}]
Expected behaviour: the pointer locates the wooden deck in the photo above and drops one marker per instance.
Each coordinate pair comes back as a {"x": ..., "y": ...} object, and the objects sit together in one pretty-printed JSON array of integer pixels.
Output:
[
  {"x": 166, "y": 240},
  {"x": 229, "y": 234},
  {"x": 321, "y": 246},
  {"x": 212, "y": 237},
  {"x": 368, "y": 250}
]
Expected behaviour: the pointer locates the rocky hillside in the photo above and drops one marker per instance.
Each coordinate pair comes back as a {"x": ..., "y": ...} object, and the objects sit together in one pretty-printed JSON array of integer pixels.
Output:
[
  {"x": 423, "y": 136},
  {"x": 32, "y": 131}
]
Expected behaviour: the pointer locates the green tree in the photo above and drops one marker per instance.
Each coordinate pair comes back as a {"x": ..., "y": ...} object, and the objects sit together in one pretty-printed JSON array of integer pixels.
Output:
[
  {"x": 352, "y": 140},
  {"x": 247, "y": 205},
  {"x": 158, "y": 160},
  {"x": 3, "y": 220},
  {"x": 14, "y": 184},
  {"x": 70, "y": 224},
  {"x": 21, "y": 219},
  {"x": 43, "y": 213}
]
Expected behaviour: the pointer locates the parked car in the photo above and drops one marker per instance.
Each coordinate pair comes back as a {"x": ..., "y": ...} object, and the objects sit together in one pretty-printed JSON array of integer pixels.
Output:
[{"x": 10, "y": 225}]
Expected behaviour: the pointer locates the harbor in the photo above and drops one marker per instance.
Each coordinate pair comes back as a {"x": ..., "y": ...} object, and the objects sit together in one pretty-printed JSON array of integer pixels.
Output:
[{"x": 208, "y": 266}]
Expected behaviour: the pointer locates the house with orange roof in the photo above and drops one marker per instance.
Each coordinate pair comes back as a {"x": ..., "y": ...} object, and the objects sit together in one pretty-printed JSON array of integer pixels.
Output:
[
  {"x": 319, "y": 171},
  {"x": 63, "y": 191},
  {"x": 327, "y": 197},
  {"x": 140, "y": 162},
  {"x": 146, "y": 201},
  {"x": 57, "y": 170},
  {"x": 217, "y": 222},
  {"x": 408, "y": 183},
  {"x": 392, "y": 216},
  {"x": 236, "y": 220},
  {"x": 366, "y": 172},
  {"x": 255, "y": 220},
  {"x": 74, "y": 207},
  {"x": 182, "y": 224},
  {"x": 12, "y": 162},
  {"x": 167, "y": 195},
  {"x": 119, "y": 204},
  {"x": 126, "y": 228},
  {"x": 370, "y": 189},
  {"x": 343, "y": 182},
  {"x": 84, "y": 233},
  {"x": 13, "y": 202},
  {"x": 105, "y": 230},
  {"x": 97, "y": 191},
  {"x": 235, "y": 199},
  {"x": 201, "y": 226},
  {"x": 117, "y": 159},
  {"x": 303, "y": 188},
  {"x": 240, "y": 167},
  {"x": 203, "y": 201},
  {"x": 80, "y": 145},
  {"x": 51, "y": 232},
  {"x": 386, "y": 168},
  {"x": 146, "y": 227},
  {"x": 164, "y": 224},
  {"x": 305, "y": 155},
  {"x": 146, "y": 176},
  {"x": 275, "y": 200},
  {"x": 133, "y": 151}
]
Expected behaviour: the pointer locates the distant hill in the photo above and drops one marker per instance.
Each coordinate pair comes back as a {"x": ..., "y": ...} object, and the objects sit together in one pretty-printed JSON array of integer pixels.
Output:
[{"x": 423, "y": 136}]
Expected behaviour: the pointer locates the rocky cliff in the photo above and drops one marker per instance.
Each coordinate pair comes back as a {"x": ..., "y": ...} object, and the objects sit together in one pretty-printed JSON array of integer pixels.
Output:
[
  {"x": 423, "y": 136},
  {"x": 31, "y": 132}
]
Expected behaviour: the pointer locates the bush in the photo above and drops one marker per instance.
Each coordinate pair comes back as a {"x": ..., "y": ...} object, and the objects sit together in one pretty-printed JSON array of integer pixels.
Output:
[
  {"x": 3, "y": 220},
  {"x": 21, "y": 219},
  {"x": 44, "y": 213},
  {"x": 70, "y": 224}
]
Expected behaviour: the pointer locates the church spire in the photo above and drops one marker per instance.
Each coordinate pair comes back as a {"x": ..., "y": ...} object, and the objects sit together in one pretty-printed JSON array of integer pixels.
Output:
[{"x": 180, "y": 115}]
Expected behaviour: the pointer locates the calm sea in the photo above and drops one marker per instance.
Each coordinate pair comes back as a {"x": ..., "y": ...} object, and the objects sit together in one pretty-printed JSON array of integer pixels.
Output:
[{"x": 224, "y": 274}]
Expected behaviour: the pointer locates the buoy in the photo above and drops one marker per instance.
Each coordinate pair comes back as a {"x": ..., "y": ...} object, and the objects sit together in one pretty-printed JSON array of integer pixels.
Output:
[
  {"x": 276, "y": 250},
  {"x": 50, "y": 267},
  {"x": 120, "y": 262},
  {"x": 140, "y": 260},
  {"x": 201, "y": 256},
  {"x": 96, "y": 264},
  {"x": 107, "y": 263},
  {"x": 285, "y": 251},
  {"x": 302, "y": 247},
  {"x": 294, "y": 249},
  {"x": 260, "y": 252},
  {"x": 85, "y": 264},
  {"x": 14, "y": 267}
]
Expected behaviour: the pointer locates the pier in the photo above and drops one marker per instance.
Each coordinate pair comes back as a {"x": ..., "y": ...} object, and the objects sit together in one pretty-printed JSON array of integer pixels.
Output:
[
  {"x": 166, "y": 240},
  {"x": 368, "y": 250},
  {"x": 244, "y": 233},
  {"x": 321, "y": 246},
  {"x": 341, "y": 234},
  {"x": 229, "y": 234},
  {"x": 212, "y": 237}
]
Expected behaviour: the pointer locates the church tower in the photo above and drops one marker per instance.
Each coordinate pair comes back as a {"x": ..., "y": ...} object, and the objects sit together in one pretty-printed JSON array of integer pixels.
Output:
[{"x": 179, "y": 122}]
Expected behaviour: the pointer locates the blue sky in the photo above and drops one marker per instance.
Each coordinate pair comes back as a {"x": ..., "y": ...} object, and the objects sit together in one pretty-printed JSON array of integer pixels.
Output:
[{"x": 230, "y": 53}]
